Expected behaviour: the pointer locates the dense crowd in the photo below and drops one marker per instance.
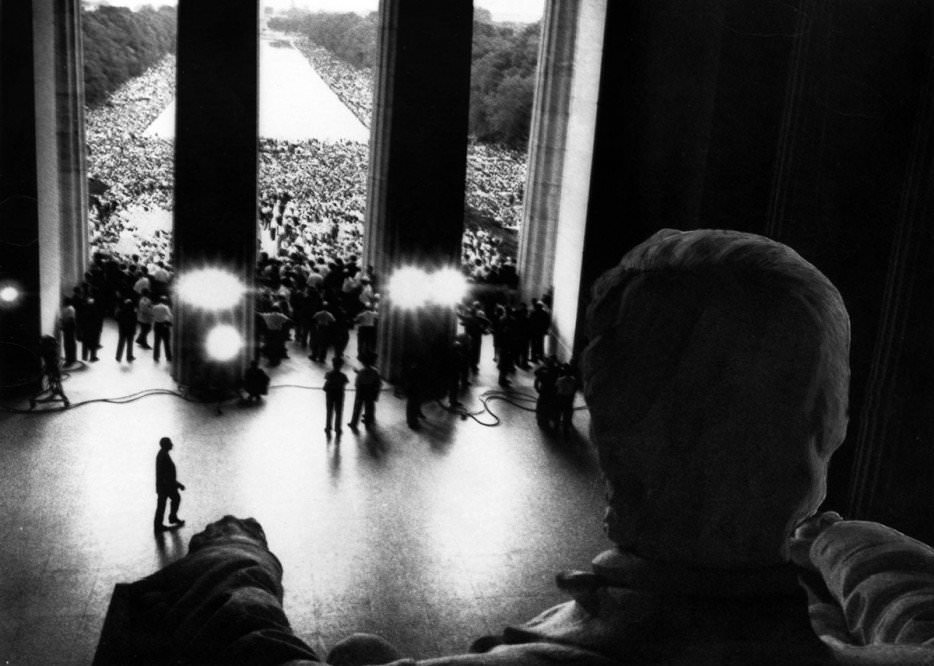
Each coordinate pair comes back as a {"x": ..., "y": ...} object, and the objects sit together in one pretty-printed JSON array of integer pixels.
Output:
[
  {"x": 130, "y": 171},
  {"x": 353, "y": 86},
  {"x": 496, "y": 183},
  {"x": 495, "y": 175},
  {"x": 312, "y": 193},
  {"x": 136, "y": 168}
]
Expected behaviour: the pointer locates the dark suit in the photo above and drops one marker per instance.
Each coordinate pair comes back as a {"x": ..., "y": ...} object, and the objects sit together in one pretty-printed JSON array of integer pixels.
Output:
[{"x": 166, "y": 487}]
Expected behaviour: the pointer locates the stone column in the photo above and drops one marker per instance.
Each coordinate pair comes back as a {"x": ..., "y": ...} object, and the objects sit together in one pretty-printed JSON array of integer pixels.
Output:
[
  {"x": 72, "y": 144},
  {"x": 547, "y": 145},
  {"x": 215, "y": 173},
  {"x": 560, "y": 155},
  {"x": 418, "y": 147},
  {"x": 61, "y": 148},
  {"x": 20, "y": 321}
]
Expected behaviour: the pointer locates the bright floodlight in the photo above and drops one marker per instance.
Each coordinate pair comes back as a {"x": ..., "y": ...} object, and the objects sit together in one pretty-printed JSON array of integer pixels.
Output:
[
  {"x": 9, "y": 294},
  {"x": 409, "y": 287},
  {"x": 210, "y": 289},
  {"x": 224, "y": 342},
  {"x": 448, "y": 286}
]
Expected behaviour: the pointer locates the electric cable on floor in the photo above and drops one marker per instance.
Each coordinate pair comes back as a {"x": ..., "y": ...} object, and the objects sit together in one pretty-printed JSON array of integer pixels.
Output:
[
  {"x": 515, "y": 398},
  {"x": 145, "y": 393}
]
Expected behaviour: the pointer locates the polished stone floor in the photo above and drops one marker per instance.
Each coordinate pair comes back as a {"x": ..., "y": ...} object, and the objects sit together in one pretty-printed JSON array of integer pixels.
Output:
[{"x": 430, "y": 538}]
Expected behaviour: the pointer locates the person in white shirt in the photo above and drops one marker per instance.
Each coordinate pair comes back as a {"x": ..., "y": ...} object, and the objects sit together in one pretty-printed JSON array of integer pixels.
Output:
[
  {"x": 142, "y": 283},
  {"x": 144, "y": 319},
  {"x": 277, "y": 325},
  {"x": 366, "y": 331},
  {"x": 161, "y": 325}
]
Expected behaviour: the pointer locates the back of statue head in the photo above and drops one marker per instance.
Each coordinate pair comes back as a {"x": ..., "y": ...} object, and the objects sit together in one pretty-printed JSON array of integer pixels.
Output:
[{"x": 717, "y": 377}]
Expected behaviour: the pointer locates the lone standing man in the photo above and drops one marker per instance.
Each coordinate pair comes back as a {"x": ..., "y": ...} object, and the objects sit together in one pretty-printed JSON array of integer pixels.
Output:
[
  {"x": 161, "y": 323},
  {"x": 368, "y": 385},
  {"x": 167, "y": 487},
  {"x": 334, "y": 383}
]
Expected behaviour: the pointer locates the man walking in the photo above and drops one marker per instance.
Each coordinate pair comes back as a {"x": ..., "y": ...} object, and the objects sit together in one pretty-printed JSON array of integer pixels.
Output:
[
  {"x": 126, "y": 329},
  {"x": 167, "y": 487}
]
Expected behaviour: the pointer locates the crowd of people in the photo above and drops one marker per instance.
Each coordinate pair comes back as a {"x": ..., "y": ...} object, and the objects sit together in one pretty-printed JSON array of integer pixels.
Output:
[
  {"x": 495, "y": 175},
  {"x": 312, "y": 193},
  {"x": 135, "y": 294},
  {"x": 353, "y": 86},
  {"x": 496, "y": 183},
  {"x": 131, "y": 171},
  {"x": 311, "y": 209}
]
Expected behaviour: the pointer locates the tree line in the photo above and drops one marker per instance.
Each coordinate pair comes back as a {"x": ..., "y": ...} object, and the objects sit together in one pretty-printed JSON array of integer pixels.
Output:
[
  {"x": 120, "y": 44},
  {"x": 502, "y": 78}
]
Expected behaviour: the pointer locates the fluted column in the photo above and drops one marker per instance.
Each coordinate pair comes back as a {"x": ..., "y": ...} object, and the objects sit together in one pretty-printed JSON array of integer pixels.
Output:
[
  {"x": 215, "y": 173},
  {"x": 561, "y": 151},
  {"x": 72, "y": 144},
  {"x": 61, "y": 153},
  {"x": 547, "y": 146},
  {"x": 418, "y": 147}
]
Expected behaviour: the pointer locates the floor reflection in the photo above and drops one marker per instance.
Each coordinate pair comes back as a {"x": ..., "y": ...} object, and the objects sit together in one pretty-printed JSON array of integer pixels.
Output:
[
  {"x": 431, "y": 538},
  {"x": 169, "y": 546}
]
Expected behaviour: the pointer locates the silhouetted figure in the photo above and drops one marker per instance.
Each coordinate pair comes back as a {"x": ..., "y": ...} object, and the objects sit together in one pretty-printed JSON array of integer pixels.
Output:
[
  {"x": 340, "y": 332},
  {"x": 161, "y": 329},
  {"x": 255, "y": 382},
  {"x": 545, "y": 378},
  {"x": 89, "y": 323},
  {"x": 414, "y": 394},
  {"x": 368, "y": 385},
  {"x": 69, "y": 330},
  {"x": 277, "y": 327},
  {"x": 539, "y": 323},
  {"x": 335, "y": 382},
  {"x": 365, "y": 322},
  {"x": 324, "y": 322},
  {"x": 126, "y": 328},
  {"x": 476, "y": 324},
  {"x": 520, "y": 335},
  {"x": 455, "y": 369},
  {"x": 167, "y": 487},
  {"x": 51, "y": 389},
  {"x": 144, "y": 319},
  {"x": 565, "y": 390}
]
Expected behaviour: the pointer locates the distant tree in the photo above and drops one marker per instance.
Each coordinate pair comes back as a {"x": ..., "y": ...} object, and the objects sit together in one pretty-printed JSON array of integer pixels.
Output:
[
  {"x": 481, "y": 15},
  {"x": 120, "y": 44},
  {"x": 349, "y": 36},
  {"x": 502, "y": 83}
]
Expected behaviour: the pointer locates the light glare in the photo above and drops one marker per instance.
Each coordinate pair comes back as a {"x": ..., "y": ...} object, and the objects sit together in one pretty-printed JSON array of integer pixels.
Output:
[
  {"x": 448, "y": 286},
  {"x": 224, "y": 342},
  {"x": 210, "y": 289},
  {"x": 411, "y": 287},
  {"x": 9, "y": 294},
  {"x": 408, "y": 288}
]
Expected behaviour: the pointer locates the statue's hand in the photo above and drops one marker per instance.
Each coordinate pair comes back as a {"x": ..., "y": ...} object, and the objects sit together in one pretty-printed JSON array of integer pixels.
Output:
[
  {"x": 799, "y": 545},
  {"x": 226, "y": 529}
]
